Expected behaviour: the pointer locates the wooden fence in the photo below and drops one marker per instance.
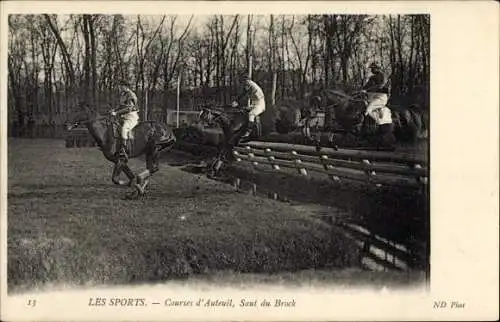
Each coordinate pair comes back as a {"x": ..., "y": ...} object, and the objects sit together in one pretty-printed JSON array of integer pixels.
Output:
[{"x": 374, "y": 167}]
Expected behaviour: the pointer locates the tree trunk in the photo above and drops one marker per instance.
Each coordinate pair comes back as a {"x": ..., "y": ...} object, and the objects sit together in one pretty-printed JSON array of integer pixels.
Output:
[
  {"x": 64, "y": 51},
  {"x": 93, "y": 60}
]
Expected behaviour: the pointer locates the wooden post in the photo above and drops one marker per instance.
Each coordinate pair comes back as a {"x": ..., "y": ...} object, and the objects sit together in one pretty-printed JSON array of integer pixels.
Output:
[
  {"x": 237, "y": 183},
  {"x": 326, "y": 166},
  {"x": 298, "y": 163},
  {"x": 146, "y": 106},
  {"x": 271, "y": 159},
  {"x": 178, "y": 97}
]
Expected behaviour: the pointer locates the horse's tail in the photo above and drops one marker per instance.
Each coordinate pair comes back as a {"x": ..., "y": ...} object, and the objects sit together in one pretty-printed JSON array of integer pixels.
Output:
[
  {"x": 409, "y": 124},
  {"x": 419, "y": 116}
]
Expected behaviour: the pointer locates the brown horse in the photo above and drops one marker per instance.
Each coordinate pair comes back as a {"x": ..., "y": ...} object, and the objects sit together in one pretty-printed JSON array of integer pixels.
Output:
[
  {"x": 233, "y": 124},
  {"x": 148, "y": 138},
  {"x": 408, "y": 122}
]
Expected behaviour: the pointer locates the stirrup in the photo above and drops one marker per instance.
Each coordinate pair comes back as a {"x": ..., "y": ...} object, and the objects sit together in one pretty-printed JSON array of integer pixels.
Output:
[{"x": 247, "y": 133}]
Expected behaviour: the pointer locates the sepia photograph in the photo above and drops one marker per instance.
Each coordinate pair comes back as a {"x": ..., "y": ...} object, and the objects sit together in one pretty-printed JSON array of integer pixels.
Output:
[
  {"x": 224, "y": 150},
  {"x": 246, "y": 144}
]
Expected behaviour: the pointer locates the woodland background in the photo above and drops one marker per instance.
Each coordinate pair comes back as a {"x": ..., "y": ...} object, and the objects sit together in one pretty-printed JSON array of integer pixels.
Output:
[{"x": 57, "y": 61}]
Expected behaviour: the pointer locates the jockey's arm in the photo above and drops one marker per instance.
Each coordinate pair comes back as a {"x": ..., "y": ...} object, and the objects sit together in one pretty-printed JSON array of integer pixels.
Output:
[
  {"x": 375, "y": 83},
  {"x": 120, "y": 111},
  {"x": 128, "y": 101},
  {"x": 123, "y": 110}
]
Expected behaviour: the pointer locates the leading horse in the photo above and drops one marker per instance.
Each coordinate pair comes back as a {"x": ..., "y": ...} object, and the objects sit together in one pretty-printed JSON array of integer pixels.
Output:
[
  {"x": 147, "y": 138},
  {"x": 349, "y": 110}
]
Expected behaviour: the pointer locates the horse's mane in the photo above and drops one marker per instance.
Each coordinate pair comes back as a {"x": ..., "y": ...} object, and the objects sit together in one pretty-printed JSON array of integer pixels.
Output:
[{"x": 337, "y": 93}]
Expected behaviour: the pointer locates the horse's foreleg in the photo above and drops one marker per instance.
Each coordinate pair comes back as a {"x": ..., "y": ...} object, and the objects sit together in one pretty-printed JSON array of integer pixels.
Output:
[
  {"x": 218, "y": 161},
  {"x": 129, "y": 173},
  {"x": 152, "y": 166},
  {"x": 115, "y": 177}
]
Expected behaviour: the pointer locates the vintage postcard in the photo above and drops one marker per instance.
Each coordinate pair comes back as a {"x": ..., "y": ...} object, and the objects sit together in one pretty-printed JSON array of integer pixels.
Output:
[{"x": 256, "y": 161}]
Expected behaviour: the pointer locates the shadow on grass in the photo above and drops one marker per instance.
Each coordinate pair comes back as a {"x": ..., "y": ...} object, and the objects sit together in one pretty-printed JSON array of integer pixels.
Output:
[{"x": 397, "y": 214}]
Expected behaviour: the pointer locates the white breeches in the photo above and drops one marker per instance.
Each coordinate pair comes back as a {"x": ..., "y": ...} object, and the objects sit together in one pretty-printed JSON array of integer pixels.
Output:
[
  {"x": 377, "y": 108},
  {"x": 130, "y": 120},
  {"x": 256, "y": 108}
]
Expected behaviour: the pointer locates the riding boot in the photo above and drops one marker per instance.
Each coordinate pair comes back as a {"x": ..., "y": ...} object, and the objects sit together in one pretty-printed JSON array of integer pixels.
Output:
[
  {"x": 249, "y": 130},
  {"x": 122, "y": 153}
]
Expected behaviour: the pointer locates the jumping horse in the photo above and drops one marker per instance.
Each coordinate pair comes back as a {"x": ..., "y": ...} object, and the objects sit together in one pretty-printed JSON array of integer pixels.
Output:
[
  {"x": 233, "y": 127},
  {"x": 147, "y": 138},
  {"x": 349, "y": 109}
]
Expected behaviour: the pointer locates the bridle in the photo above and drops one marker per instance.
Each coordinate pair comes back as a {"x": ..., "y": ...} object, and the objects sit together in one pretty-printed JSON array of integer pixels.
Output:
[
  {"x": 74, "y": 124},
  {"x": 215, "y": 116}
]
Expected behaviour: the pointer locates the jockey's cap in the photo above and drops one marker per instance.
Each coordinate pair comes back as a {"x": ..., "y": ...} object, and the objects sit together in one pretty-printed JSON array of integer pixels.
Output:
[
  {"x": 244, "y": 76},
  {"x": 315, "y": 100},
  {"x": 123, "y": 82},
  {"x": 374, "y": 65}
]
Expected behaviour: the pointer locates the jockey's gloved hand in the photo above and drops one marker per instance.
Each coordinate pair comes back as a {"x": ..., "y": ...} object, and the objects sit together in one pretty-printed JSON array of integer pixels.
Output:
[
  {"x": 234, "y": 104},
  {"x": 113, "y": 113}
]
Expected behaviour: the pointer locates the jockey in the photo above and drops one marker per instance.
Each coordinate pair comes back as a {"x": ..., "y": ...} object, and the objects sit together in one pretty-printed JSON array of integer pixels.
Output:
[
  {"x": 257, "y": 103},
  {"x": 129, "y": 114},
  {"x": 377, "y": 90}
]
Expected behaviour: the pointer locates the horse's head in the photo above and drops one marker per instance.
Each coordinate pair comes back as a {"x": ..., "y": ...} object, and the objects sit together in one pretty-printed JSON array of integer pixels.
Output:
[
  {"x": 81, "y": 114},
  {"x": 209, "y": 115},
  {"x": 206, "y": 115},
  {"x": 349, "y": 109}
]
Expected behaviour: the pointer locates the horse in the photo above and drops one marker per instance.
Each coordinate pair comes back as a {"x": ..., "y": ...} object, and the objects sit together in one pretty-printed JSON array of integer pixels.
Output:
[
  {"x": 349, "y": 109},
  {"x": 147, "y": 138},
  {"x": 233, "y": 127},
  {"x": 309, "y": 118}
]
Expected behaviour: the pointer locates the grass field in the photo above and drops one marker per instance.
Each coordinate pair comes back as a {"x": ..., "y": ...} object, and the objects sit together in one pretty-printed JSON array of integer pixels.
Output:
[{"x": 68, "y": 224}]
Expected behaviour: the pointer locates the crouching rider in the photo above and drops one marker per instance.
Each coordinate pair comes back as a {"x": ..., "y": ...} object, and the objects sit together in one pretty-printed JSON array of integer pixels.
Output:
[
  {"x": 256, "y": 105},
  {"x": 377, "y": 91},
  {"x": 129, "y": 114}
]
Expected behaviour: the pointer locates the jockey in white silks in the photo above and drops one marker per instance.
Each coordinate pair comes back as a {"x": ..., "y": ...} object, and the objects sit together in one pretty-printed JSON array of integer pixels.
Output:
[
  {"x": 377, "y": 90},
  {"x": 378, "y": 94},
  {"x": 129, "y": 114},
  {"x": 257, "y": 103}
]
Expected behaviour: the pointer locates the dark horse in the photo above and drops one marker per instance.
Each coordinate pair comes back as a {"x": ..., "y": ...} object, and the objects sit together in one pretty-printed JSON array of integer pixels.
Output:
[
  {"x": 148, "y": 138},
  {"x": 408, "y": 122},
  {"x": 233, "y": 125}
]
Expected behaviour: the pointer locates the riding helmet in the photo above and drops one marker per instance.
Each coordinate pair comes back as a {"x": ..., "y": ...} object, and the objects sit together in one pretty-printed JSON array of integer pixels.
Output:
[{"x": 244, "y": 76}]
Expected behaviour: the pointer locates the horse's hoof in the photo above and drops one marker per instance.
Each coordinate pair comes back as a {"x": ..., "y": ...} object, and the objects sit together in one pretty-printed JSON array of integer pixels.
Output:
[
  {"x": 132, "y": 181},
  {"x": 140, "y": 189},
  {"x": 134, "y": 195}
]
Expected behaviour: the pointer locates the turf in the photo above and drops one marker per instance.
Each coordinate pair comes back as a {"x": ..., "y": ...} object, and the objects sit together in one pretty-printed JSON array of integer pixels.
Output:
[{"x": 68, "y": 224}]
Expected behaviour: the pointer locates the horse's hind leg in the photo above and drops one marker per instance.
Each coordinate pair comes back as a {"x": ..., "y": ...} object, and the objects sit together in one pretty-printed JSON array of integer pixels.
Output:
[{"x": 153, "y": 160}]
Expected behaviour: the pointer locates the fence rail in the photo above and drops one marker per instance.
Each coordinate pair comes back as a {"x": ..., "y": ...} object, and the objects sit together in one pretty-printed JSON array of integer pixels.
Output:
[
  {"x": 372, "y": 167},
  {"x": 381, "y": 168}
]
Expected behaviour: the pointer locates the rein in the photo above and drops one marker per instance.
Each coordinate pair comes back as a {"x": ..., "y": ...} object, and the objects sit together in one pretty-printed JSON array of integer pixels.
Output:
[{"x": 92, "y": 119}]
